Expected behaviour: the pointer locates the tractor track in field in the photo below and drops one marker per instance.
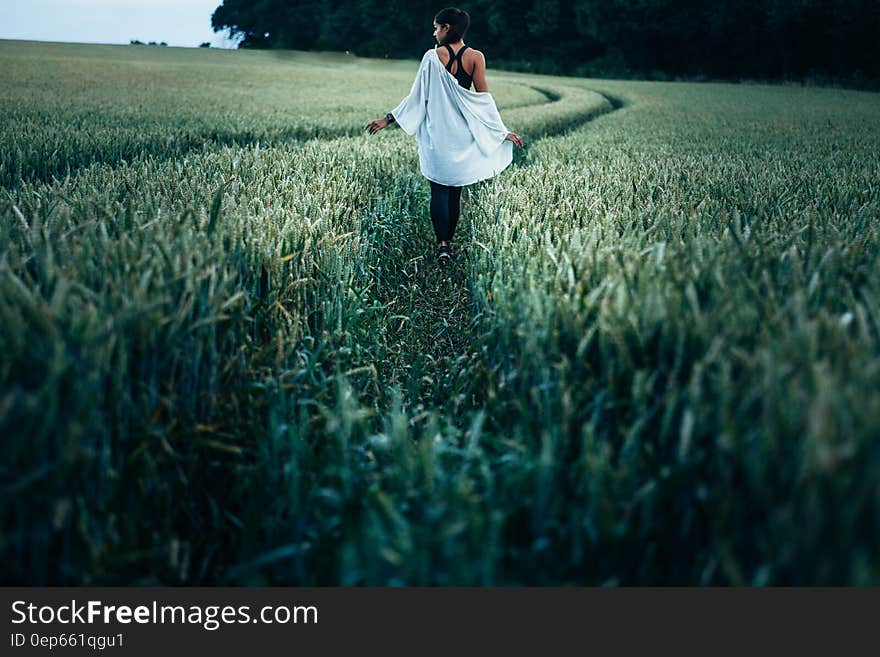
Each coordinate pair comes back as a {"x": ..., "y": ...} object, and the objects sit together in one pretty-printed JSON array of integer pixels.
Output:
[{"x": 434, "y": 342}]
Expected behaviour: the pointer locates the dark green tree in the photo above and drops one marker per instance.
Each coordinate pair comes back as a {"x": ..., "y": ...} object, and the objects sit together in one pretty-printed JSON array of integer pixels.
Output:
[{"x": 721, "y": 38}]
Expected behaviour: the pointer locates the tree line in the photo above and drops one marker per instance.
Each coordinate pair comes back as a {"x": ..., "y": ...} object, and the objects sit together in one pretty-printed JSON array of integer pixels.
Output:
[{"x": 761, "y": 39}]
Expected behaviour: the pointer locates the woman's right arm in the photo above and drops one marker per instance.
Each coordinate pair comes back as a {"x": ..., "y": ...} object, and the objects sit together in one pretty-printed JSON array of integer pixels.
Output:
[{"x": 479, "y": 78}]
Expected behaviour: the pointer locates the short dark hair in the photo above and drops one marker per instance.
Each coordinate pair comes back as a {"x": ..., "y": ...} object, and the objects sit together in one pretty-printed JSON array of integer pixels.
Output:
[{"x": 458, "y": 21}]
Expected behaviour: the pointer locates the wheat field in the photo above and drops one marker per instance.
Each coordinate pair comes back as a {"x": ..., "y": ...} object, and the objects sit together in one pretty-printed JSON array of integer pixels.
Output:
[{"x": 229, "y": 357}]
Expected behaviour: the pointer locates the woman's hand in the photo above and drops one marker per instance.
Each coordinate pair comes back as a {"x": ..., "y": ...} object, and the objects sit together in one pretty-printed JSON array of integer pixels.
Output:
[
  {"x": 515, "y": 138},
  {"x": 376, "y": 125}
]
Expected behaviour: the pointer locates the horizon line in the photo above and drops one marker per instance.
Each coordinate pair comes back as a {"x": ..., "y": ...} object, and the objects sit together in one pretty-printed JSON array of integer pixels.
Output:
[{"x": 113, "y": 43}]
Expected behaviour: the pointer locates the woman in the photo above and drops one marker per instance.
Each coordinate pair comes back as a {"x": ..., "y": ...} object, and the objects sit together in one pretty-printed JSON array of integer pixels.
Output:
[{"x": 461, "y": 137}]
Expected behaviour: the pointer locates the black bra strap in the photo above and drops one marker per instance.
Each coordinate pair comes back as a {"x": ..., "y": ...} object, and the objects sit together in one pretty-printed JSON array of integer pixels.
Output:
[
  {"x": 461, "y": 63},
  {"x": 451, "y": 57}
]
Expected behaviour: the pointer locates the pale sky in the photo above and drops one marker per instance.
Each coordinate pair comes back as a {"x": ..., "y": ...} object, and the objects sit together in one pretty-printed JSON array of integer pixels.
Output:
[{"x": 179, "y": 22}]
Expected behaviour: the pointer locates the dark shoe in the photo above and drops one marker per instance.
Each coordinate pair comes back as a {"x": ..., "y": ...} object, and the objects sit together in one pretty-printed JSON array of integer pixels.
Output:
[{"x": 444, "y": 254}]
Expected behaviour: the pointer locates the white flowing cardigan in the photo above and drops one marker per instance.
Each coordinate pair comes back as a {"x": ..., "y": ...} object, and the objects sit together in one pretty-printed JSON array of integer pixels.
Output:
[{"x": 460, "y": 133}]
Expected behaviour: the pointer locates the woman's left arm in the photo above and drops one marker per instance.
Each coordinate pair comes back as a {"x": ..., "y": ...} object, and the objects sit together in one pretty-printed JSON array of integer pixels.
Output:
[
  {"x": 376, "y": 125},
  {"x": 411, "y": 110}
]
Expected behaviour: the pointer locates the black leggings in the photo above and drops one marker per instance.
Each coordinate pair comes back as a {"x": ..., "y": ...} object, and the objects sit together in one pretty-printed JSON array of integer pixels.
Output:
[{"x": 445, "y": 208}]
